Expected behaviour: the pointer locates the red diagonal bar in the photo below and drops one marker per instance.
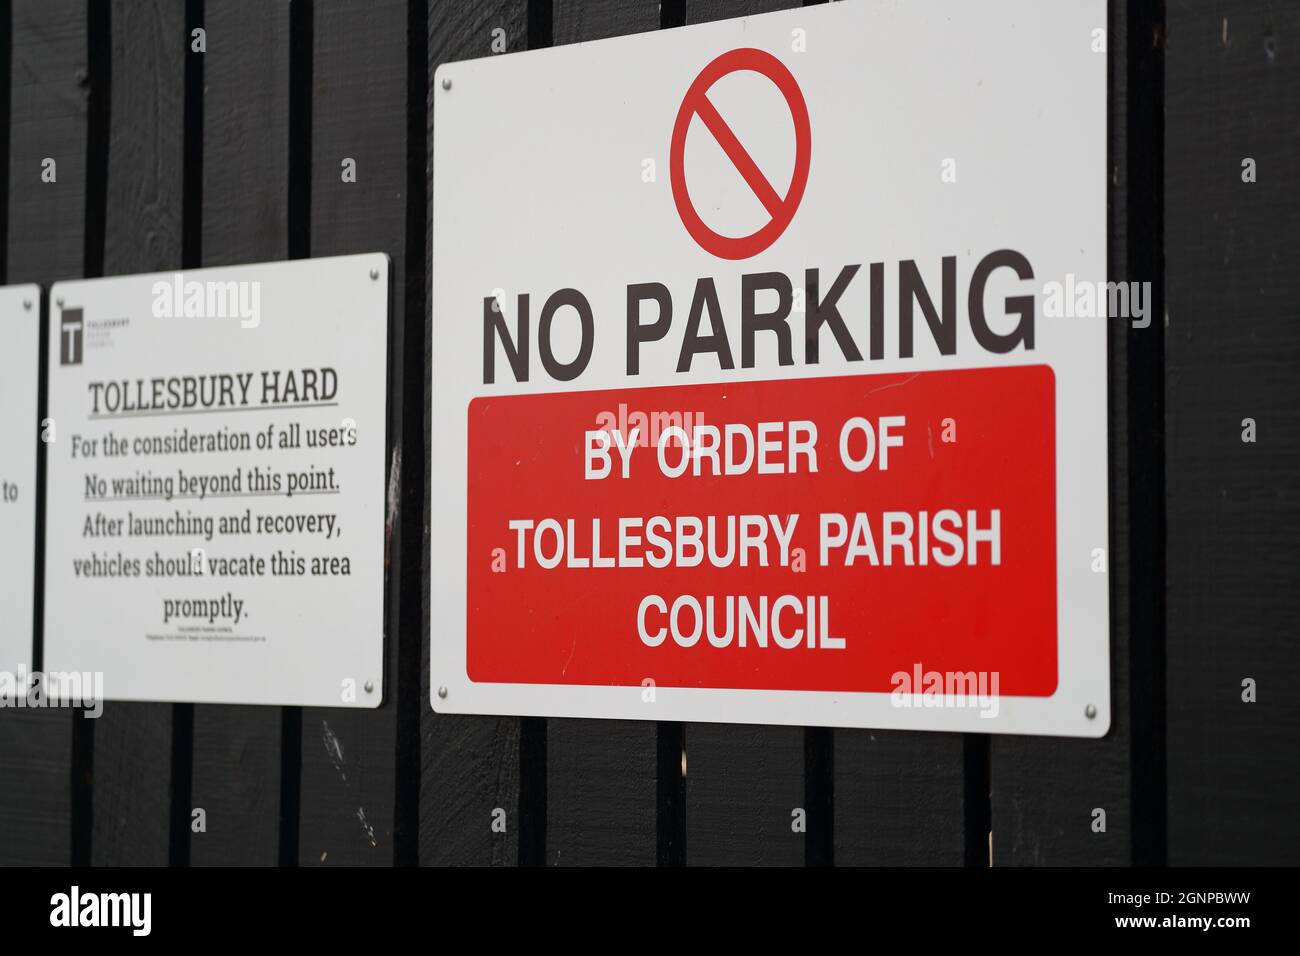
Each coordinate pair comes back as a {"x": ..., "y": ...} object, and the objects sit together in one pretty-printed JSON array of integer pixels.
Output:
[{"x": 736, "y": 152}]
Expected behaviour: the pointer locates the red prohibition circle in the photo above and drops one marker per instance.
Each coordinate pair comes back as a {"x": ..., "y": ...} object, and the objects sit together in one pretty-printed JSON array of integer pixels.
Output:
[{"x": 696, "y": 103}]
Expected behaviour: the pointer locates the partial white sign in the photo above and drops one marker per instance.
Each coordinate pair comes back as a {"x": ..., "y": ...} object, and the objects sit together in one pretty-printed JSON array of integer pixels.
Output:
[
  {"x": 765, "y": 387},
  {"x": 216, "y": 493},
  {"x": 20, "y": 339}
]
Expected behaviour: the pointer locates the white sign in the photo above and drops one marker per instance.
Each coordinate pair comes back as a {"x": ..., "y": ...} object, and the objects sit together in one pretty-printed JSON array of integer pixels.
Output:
[
  {"x": 20, "y": 333},
  {"x": 769, "y": 373},
  {"x": 215, "y": 510}
]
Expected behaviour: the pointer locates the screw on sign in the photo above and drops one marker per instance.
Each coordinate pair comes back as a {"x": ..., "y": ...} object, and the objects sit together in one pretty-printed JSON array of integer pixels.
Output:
[{"x": 696, "y": 103}]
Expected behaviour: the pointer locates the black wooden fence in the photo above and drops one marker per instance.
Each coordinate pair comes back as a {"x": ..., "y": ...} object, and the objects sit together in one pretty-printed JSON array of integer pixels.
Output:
[{"x": 168, "y": 158}]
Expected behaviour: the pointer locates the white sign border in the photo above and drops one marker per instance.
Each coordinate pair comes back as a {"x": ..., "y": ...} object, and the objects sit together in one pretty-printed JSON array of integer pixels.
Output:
[
  {"x": 1080, "y": 706},
  {"x": 378, "y": 267},
  {"x": 25, "y": 301}
]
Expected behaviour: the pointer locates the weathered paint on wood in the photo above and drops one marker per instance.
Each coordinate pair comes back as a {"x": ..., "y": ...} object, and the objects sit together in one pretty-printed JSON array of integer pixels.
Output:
[
  {"x": 46, "y": 238},
  {"x": 469, "y": 765},
  {"x": 349, "y": 792},
  {"x": 245, "y": 160},
  {"x": 142, "y": 233},
  {"x": 1232, "y": 353}
]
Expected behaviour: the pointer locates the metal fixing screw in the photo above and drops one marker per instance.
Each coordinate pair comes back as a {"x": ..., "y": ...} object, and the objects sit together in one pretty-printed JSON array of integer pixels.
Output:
[
  {"x": 446, "y": 82},
  {"x": 374, "y": 273},
  {"x": 1090, "y": 711},
  {"x": 27, "y": 304},
  {"x": 370, "y": 687},
  {"x": 59, "y": 302},
  {"x": 442, "y": 691}
]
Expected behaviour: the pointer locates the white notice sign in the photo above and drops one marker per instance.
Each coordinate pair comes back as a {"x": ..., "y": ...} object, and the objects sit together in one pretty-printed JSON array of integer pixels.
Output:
[
  {"x": 20, "y": 335},
  {"x": 769, "y": 372},
  {"x": 215, "y": 518}
]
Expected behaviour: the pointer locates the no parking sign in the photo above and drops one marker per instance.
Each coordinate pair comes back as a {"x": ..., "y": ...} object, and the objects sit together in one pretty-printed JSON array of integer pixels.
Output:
[
  {"x": 744, "y": 405},
  {"x": 696, "y": 104}
]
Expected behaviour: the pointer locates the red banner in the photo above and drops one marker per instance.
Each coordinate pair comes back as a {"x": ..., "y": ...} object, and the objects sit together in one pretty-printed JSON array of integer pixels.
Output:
[{"x": 811, "y": 534}]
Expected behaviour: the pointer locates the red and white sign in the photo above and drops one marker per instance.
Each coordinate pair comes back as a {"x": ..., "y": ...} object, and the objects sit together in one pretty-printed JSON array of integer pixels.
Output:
[
  {"x": 744, "y": 403},
  {"x": 801, "y": 553}
]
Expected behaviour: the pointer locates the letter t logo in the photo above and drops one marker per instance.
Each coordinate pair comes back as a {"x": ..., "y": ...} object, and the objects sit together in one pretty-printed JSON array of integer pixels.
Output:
[{"x": 70, "y": 327}]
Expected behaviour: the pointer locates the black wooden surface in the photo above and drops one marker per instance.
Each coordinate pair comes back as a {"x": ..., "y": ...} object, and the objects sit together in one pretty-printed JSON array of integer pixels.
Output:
[
  {"x": 743, "y": 786},
  {"x": 47, "y": 118},
  {"x": 142, "y": 233},
  {"x": 1045, "y": 790},
  {"x": 601, "y": 792},
  {"x": 577, "y": 20},
  {"x": 244, "y": 218},
  {"x": 349, "y": 794},
  {"x": 291, "y": 88},
  {"x": 1233, "y": 352},
  {"x": 899, "y": 799},
  {"x": 703, "y": 11},
  {"x": 469, "y": 765}
]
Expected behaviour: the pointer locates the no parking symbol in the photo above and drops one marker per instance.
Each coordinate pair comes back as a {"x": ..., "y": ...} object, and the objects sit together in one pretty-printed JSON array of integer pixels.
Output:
[{"x": 780, "y": 208}]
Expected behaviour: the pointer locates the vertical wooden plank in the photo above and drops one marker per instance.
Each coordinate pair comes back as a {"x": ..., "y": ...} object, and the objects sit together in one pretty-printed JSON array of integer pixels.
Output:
[
  {"x": 1045, "y": 790},
  {"x": 236, "y": 755},
  {"x": 704, "y": 11},
  {"x": 47, "y": 119},
  {"x": 743, "y": 787},
  {"x": 601, "y": 774},
  {"x": 578, "y": 20},
  {"x": 898, "y": 799},
  {"x": 46, "y": 240},
  {"x": 469, "y": 766},
  {"x": 133, "y": 741},
  {"x": 349, "y": 810},
  {"x": 743, "y": 784},
  {"x": 245, "y": 132},
  {"x": 600, "y": 792},
  {"x": 1233, "y": 350}
]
